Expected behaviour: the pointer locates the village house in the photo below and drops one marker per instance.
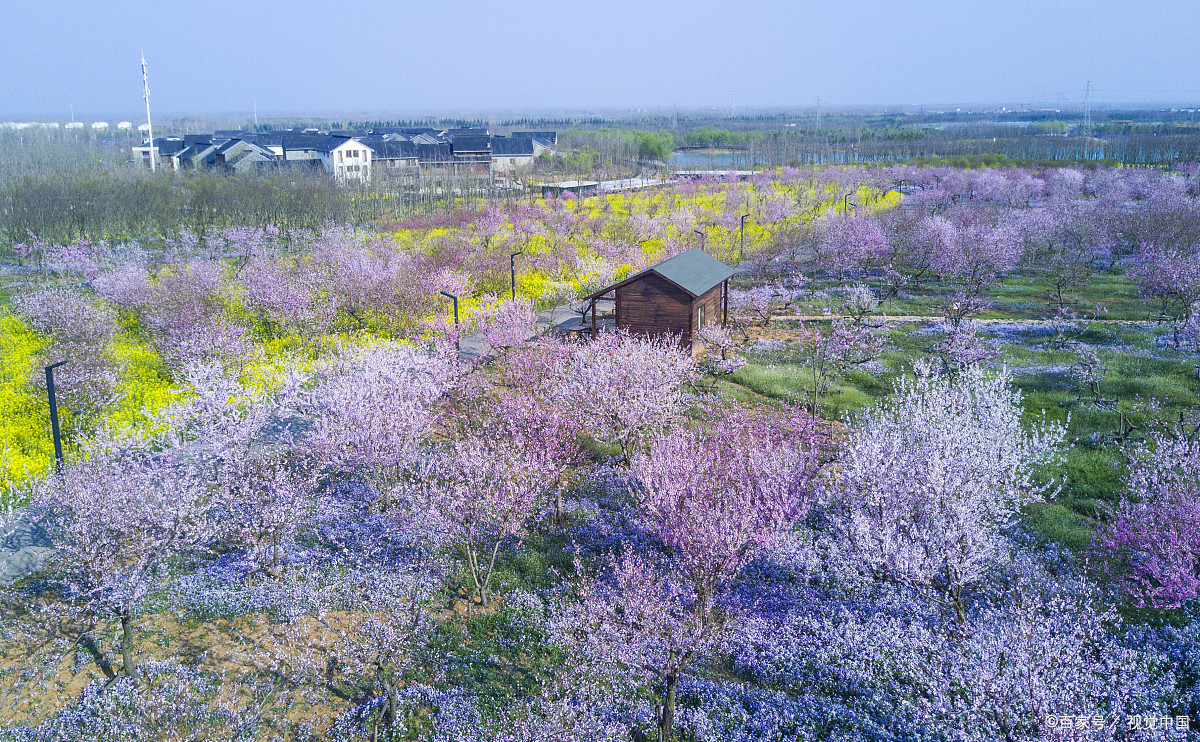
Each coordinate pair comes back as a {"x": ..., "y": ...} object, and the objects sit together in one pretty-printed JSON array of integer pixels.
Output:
[{"x": 355, "y": 155}]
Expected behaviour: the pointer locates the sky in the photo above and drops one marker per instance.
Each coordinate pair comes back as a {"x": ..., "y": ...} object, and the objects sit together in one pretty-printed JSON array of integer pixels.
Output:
[{"x": 325, "y": 57}]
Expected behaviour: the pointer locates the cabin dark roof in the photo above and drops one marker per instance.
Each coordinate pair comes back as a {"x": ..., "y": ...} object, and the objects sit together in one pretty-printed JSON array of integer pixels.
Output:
[
  {"x": 514, "y": 146},
  {"x": 480, "y": 131},
  {"x": 471, "y": 143},
  {"x": 694, "y": 271}
]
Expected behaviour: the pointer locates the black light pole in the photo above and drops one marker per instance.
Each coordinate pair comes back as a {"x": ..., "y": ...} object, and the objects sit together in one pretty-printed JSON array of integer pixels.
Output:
[
  {"x": 702, "y": 236},
  {"x": 512, "y": 271},
  {"x": 742, "y": 243},
  {"x": 58, "y": 454},
  {"x": 455, "y": 300}
]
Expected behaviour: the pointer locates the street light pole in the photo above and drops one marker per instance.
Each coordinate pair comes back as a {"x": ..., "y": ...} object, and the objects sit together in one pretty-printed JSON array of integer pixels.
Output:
[
  {"x": 742, "y": 242},
  {"x": 456, "y": 326},
  {"x": 702, "y": 236},
  {"x": 58, "y": 454},
  {"x": 512, "y": 271}
]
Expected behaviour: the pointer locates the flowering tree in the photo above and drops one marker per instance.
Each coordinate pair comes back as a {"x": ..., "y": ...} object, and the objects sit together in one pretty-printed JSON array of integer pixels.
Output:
[
  {"x": 974, "y": 247},
  {"x": 78, "y": 330},
  {"x": 508, "y": 322},
  {"x": 1030, "y": 665},
  {"x": 644, "y": 620},
  {"x": 931, "y": 477},
  {"x": 718, "y": 493},
  {"x": 371, "y": 407},
  {"x": 625, "y": 388},
  {"x": 850, "y": 243},
  {"x": 962, "y": 347},
  {"x": 261, "y": 506},
  {"x": 1150, "y": 542},
  {"x": 753, "y": 304},
  {"x": 482, "y": 487},
  {"x": 118, "y": 522},
  {"x": 83, "y": 257},
  {"x": 829, "y": 353},
  {"x": 183, "y": 308},
  {"x": 1170, "y": 276},
  {"x": 286, "y": 298},
  {"x": 1063, "y": 243}
]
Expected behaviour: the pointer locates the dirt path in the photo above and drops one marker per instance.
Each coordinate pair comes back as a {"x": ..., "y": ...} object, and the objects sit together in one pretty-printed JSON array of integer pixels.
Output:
[{"x": 936, "y": 318}]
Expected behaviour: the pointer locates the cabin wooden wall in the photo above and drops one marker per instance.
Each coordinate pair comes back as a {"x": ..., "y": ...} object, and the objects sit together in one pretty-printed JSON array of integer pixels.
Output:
[
  {"x": 711, "y": 300},
  {"x": 653, "y": 306}
]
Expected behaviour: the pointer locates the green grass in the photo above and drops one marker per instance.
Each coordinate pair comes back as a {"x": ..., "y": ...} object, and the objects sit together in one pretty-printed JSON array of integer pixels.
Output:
[
  {"x": 1052, "y": 521},
  {"x": 1093, "y": 473}
]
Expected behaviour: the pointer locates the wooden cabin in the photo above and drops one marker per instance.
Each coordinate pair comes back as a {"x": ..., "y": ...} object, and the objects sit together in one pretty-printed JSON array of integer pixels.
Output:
[{"x": 674, "y": 298}]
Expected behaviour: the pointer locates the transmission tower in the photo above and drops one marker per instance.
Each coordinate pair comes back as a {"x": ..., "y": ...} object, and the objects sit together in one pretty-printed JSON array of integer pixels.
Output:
[
  {"x": 1087, "y": 108},
  {"x": 146, "y": 95}
]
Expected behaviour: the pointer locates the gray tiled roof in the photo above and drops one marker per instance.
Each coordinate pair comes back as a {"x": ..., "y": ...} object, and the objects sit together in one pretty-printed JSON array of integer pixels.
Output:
[
  {"x": 386, "y": 149},
  {"x": 514, "y": 146},
  {"x": 169, "y": 145},
  {"x": 549, "y": 138},
  {"x": 694, "y": 271},
  {"x": 471, "y": 143}
]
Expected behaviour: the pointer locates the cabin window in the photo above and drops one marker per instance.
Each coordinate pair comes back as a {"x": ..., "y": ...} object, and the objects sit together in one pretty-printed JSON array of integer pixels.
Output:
[{"x": 700, "y": 317}]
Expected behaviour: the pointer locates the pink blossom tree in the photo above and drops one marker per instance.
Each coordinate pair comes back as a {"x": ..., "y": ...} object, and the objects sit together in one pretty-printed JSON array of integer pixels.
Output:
[
  {"x": 262, "y": 504},
  {"x": 931, "y": 478},
  {"x": 718, "y": 493},
  {"x": 1170, "y": 276},
  {"x": 1150, "y": 542},
  {"x": 645, "y": 621},
  {"x": 624, "y": 388},
  {"x": 372, "y": 407},
  {"x": 482, "y": 488},
  {"x": 828, "y": 352},
  {"x": 970, "y": 257},
  {"x": 507, "y": 322},
  {"x": 78, "y": 330},
  {"x": 118, "y": 522},
  {"x": 850, "y": 244}
]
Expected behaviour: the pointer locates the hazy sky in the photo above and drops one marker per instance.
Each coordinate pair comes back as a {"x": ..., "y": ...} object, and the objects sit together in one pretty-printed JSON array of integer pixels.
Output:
[{"x": 326, "y": 56}]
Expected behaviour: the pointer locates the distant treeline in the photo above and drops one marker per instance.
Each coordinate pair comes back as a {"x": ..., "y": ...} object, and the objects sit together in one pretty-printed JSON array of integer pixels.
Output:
[{"x": 123, "y": 206}]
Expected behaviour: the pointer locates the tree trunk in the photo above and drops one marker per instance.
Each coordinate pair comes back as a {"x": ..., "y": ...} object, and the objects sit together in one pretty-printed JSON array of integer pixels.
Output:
[
  {"x": 127, "y": 664},
  {"x": 392, "y": 702},
  {"x": 666, "y": 717}
]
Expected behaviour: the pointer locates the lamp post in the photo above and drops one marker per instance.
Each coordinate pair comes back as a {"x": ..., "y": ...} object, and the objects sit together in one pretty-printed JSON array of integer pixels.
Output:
[
  {"x": 454, "y": 299},
  {"x": 742, "y": 241},
  {"x": 512, "y": 271},
  {"x": 702, "y": 236},
  {"x": 58, "y": 454}
]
